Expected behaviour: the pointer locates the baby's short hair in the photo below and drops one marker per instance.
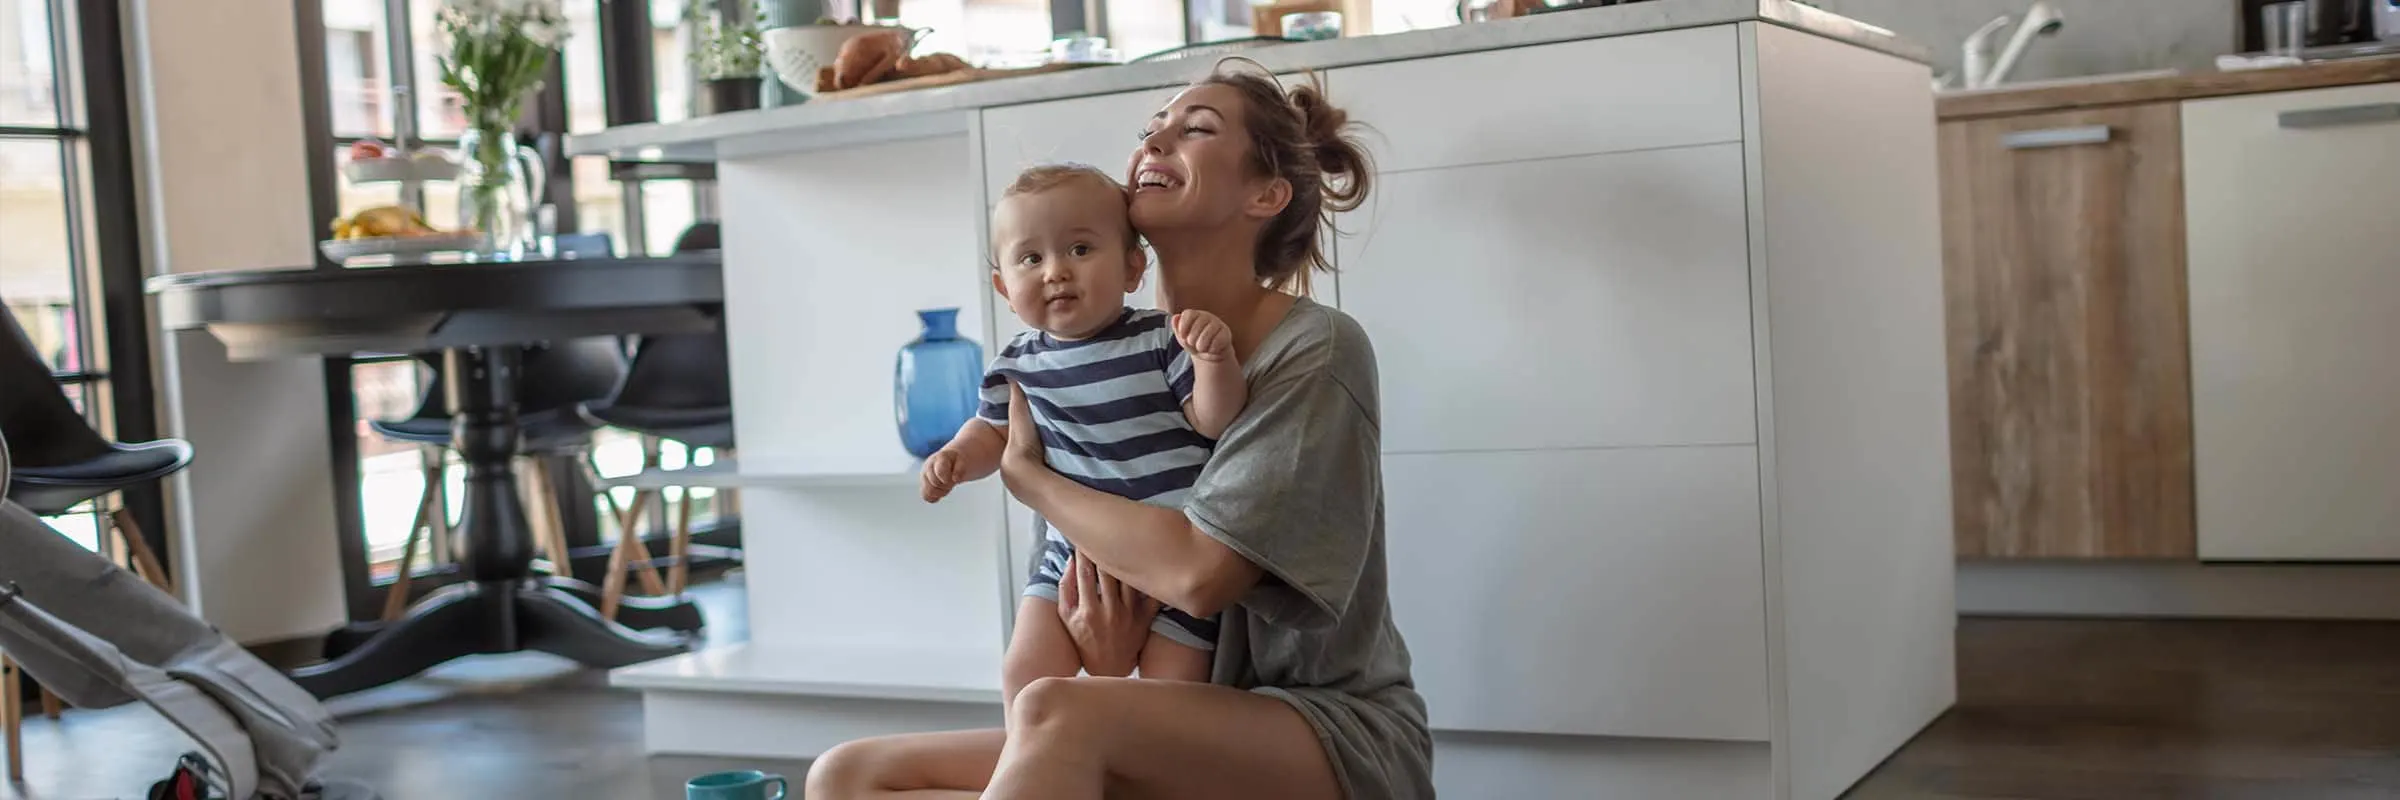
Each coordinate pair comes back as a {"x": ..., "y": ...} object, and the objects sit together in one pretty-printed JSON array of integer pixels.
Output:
[{"x": 1043, "y": 177}]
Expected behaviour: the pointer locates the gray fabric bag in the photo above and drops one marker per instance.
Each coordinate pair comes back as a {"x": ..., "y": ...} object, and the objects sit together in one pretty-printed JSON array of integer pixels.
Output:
[{"x": 101, "y": 637}]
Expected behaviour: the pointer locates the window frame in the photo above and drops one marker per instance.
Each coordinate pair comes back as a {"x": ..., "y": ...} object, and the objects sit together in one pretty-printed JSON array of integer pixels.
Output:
[{"x": 93, "y": 133}]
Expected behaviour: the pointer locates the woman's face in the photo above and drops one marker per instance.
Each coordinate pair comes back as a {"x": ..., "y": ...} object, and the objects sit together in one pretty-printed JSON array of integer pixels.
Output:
[{"x": 1193, "y": 166}]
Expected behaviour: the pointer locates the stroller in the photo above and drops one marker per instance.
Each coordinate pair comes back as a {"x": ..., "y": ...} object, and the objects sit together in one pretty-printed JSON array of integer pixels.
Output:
[{"x": 102, "y": 638}]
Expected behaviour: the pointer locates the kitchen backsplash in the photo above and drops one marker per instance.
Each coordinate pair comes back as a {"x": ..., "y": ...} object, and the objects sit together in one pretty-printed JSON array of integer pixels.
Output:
[{"x": 2100, "y": 36}]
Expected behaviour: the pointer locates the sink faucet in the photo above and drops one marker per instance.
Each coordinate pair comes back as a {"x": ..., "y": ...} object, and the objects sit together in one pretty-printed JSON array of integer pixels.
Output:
[{"x": 1980, "y": 72}]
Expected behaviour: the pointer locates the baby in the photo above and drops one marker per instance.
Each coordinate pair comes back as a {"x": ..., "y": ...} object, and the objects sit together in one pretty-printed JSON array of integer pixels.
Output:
[{"x": 1129, "y": 401}]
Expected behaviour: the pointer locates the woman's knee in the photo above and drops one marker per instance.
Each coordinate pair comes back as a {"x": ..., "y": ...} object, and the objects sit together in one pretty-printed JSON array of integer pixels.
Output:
[
  {"x": 1053, "y": 706},
  {"x": 850, "y": 769}
]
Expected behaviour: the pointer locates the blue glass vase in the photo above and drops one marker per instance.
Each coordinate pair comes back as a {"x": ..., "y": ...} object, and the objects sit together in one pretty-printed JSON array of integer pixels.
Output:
[{"x": 936, "y": 383}]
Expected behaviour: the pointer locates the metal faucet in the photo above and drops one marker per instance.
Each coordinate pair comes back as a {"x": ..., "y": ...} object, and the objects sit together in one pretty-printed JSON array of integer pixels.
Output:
[{"x": 1980, "y": 71}]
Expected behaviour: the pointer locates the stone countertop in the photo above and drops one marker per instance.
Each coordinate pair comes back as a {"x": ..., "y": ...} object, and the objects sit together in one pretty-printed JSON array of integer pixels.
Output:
[
  {"x": 2160, "y": 86},
  {"x": 921, "y": 112}
]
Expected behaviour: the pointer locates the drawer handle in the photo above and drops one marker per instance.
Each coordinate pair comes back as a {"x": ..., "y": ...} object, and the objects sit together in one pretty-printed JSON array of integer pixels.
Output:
[
  {"x": 2339, "y": 115},
  {"x": 2055, "y": 137}
]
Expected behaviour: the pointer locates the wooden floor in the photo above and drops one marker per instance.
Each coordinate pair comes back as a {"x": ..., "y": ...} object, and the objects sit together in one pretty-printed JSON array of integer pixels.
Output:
[
  {"x": 2129, "y": 710},
  {"x": 2048, "y": 710}
]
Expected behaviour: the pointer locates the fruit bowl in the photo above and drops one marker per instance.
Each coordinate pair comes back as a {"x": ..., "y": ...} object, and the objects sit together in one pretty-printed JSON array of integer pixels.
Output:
[
  {"x": 401, "y": 249},
  {"x": 798, "y": 52}
]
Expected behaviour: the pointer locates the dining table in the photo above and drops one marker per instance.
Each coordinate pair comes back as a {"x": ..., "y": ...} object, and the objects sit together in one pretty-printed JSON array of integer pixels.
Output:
[{"x": 481, "y": 317}]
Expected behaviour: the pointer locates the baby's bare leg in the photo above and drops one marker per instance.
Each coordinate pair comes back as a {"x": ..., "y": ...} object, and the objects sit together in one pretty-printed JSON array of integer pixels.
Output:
[
  {"x": 1040, "y": 648},
  {"x": 1170, "y": 660}
]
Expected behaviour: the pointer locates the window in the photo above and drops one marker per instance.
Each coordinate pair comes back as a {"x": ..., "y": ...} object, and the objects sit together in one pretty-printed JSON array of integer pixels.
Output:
[
  {"x": 52, "y": 272},
  {"x": 382, "y": 81}
]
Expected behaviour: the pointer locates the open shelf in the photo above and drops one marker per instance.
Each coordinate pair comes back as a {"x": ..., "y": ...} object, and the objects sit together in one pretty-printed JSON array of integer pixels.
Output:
[
  {"x": 728, "y": 474},
  {"x": 920, "y": 674}
]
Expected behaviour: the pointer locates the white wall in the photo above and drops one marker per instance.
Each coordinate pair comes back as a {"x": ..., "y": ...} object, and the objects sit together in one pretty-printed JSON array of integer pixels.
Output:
[{"x": 224, "y": 184}]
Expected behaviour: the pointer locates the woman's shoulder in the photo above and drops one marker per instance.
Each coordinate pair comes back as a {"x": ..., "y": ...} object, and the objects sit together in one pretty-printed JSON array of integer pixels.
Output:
[{"x": 1318, "y": 340}]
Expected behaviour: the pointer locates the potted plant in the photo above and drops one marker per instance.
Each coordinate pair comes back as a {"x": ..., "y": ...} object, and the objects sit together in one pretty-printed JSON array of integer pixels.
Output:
[
  {"x": 729, "y": 59},
  {"x": 497, "y": 52}
]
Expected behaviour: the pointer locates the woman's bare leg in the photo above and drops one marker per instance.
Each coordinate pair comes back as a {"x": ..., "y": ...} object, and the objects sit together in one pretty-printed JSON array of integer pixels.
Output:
[
  {"x": 1073, "y": 738},
  {"x": 916, "y": 766}
]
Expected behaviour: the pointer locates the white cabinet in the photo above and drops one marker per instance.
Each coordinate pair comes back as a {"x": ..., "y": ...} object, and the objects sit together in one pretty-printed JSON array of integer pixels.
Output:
[
  {"x": 1101, "y": 131},
  {"x": 1573, "y": 98},
  {"x": 1624, "y": 583},
  {"x": 1596, "y": 301},
  {"x": 2295, "y": 312}
]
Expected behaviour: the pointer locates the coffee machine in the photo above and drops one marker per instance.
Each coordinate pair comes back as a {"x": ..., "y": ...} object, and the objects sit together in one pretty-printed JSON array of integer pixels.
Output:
[{"x": 2331, "y": 23}]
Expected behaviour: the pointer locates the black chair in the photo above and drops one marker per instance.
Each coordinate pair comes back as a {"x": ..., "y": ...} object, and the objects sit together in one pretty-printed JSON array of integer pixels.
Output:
[
  {"x": 555, "y": 381},
  {"x": 52, "y": 462},
  {"x": 678, "y": 388},
  {"x": 59, "y": 462}
]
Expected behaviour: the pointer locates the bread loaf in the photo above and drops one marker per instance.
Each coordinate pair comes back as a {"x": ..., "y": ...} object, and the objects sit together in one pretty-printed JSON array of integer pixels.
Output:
[
  {"x": 929, "y": 64},
  {"x": 866, "y": 59}
]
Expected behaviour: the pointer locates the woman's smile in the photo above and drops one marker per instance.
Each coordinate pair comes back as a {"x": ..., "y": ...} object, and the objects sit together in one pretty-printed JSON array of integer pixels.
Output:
[{"x": 1155, "y": 176}]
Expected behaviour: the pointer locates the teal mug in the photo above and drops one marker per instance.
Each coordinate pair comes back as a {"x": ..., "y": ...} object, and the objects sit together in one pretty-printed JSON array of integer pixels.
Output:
[{"x": 748, "y": 784}]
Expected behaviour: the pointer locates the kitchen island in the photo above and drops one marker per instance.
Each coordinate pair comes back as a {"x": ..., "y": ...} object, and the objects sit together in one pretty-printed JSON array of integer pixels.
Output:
[{"x": 1656, "y": 296}]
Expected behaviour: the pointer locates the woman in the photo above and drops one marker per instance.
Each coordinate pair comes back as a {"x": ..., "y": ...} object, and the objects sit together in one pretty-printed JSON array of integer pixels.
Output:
[{"x": 1311, "y": 696}]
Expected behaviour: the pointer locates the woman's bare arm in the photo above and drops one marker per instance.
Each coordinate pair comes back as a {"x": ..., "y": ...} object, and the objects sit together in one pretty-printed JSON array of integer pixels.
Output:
[{"x": 1156, "y": 549}]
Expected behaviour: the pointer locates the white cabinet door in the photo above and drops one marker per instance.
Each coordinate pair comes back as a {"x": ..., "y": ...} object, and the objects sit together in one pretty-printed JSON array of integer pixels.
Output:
[
  {"x": 1599, "y": 301},
  {"x": 1587, "y": 592},
  {"x": 2295, "y": 311},
  {"x": 1101, "y": 131},
  {"x": 1573, "y": 98}
]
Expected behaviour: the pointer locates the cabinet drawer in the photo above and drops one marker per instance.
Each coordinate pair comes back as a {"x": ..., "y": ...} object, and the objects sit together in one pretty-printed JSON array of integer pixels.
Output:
[
  {"x": 2295, "y": 297},
  {"x": 1574, "y": 98},
  {"x": 1597, "y": 301},
  {"x": 2069, "y": 380},
  {"x": 1653, "y": 556}
]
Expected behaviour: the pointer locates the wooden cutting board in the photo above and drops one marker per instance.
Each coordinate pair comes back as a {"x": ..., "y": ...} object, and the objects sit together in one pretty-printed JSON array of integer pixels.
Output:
[{"x": 955, "y": 78}]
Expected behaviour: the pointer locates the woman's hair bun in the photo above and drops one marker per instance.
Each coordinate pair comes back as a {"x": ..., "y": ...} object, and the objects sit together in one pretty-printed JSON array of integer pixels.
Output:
[{"x": 1341, "y": 159}]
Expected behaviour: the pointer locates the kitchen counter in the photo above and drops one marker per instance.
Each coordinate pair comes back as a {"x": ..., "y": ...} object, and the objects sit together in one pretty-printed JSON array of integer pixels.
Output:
[
  {"x": 919, "y": 112},
  {"x": 2105, "y": 90}
]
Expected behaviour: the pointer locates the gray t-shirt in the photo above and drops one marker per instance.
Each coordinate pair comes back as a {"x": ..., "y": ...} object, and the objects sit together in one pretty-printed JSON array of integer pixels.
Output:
[{"x": 1296, "y": 487}]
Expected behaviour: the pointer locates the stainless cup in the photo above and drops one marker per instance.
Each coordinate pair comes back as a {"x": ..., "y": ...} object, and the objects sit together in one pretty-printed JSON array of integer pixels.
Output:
[{"x": 2284, "y": 26}]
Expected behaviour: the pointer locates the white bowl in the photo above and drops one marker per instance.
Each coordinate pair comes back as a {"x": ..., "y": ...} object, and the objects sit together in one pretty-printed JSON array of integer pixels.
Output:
[{"x": 798, "y": 52}]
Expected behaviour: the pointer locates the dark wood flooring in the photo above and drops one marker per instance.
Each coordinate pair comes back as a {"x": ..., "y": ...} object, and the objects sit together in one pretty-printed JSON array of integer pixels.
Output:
[
  {"x": 2048, "y": 710},
  {"x": 2133, "y": 710}
]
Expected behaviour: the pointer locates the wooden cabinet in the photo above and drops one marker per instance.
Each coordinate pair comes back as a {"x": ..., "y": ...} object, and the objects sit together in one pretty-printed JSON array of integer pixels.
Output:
[
  {"x": 2071, "y": 430},
  {"x": 2295, "y": 306}
]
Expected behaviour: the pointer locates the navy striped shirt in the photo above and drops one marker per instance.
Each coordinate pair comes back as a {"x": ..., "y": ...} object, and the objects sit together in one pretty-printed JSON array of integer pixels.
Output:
[{"x": 1110, "y": 407}]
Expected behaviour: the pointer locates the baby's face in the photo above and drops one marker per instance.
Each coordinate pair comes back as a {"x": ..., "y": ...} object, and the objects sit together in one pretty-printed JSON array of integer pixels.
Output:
[{"x": 1065, "y": 260}]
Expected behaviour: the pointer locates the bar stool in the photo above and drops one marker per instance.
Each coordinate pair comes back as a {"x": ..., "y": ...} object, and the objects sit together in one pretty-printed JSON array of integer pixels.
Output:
[
  {"x": 59, "y": 462},
  {"x": 556, "y": 379}
]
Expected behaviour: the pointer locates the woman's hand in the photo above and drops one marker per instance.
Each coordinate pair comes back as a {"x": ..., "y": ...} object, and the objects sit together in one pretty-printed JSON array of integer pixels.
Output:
[
  {"x": 1107, "y": 618},
  {"x": 1022, "y": 459}
]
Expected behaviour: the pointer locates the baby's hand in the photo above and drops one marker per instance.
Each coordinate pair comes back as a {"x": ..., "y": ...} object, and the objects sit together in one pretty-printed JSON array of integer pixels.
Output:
[
  {"x": 1203, "y": 335},
  {"x": 940, "y": 474}
]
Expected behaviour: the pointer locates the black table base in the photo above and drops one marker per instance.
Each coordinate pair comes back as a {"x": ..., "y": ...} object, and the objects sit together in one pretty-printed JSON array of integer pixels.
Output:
[
  {"x": 485, "y": 617},
  {"x": 633, "y": 611},
  {"x": 502, "y": 607}
]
